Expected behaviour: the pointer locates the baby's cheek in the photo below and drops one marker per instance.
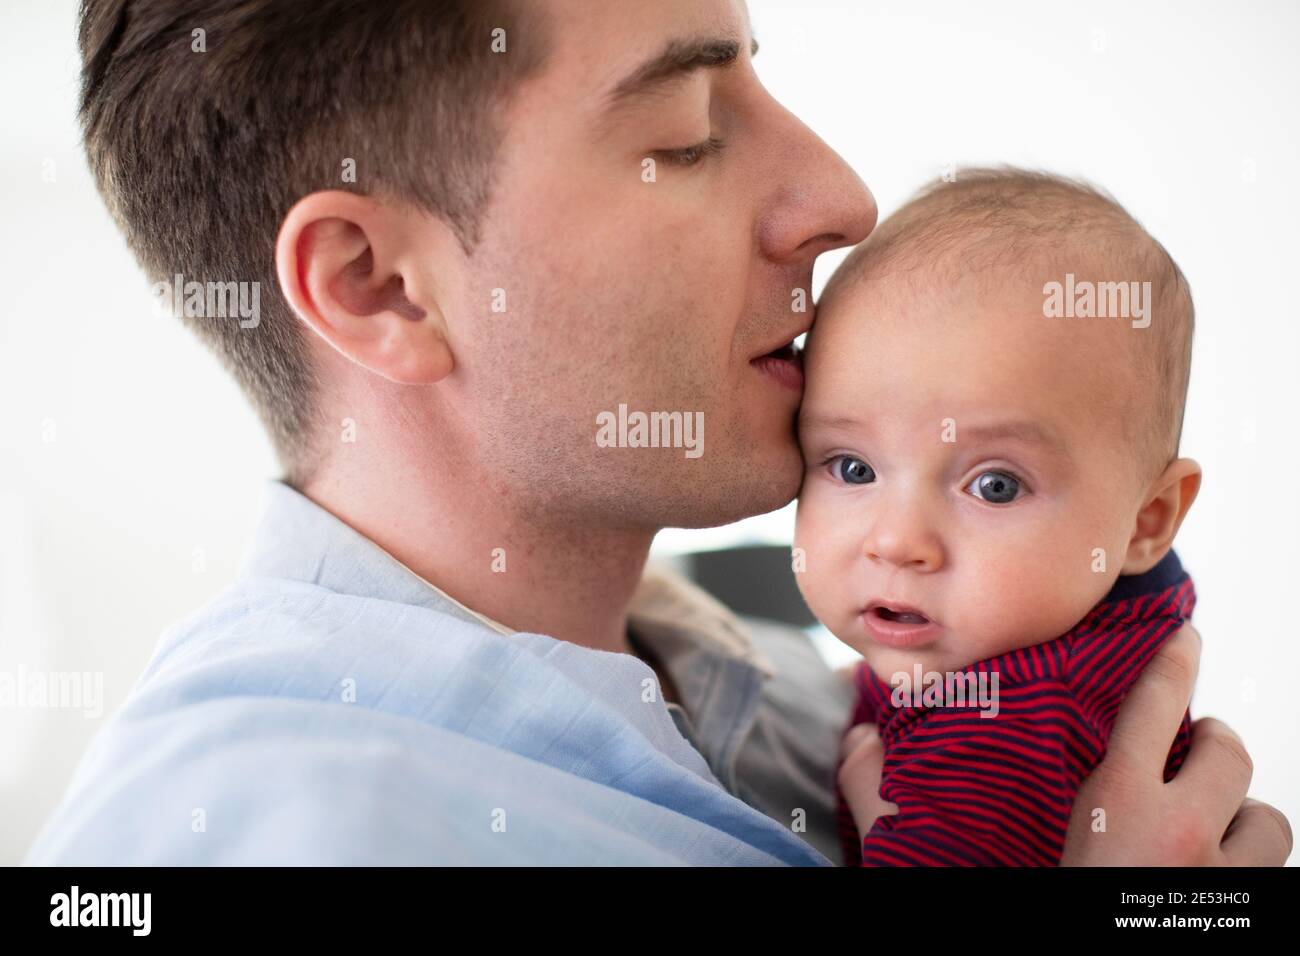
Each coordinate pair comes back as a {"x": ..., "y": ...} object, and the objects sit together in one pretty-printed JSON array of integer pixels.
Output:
[
  {"x": 805, "y": 531},
  {"x": 820, "y": 564},
  {"x": 1034, "y": 596},
  {"x": 1074, "y": 573}
]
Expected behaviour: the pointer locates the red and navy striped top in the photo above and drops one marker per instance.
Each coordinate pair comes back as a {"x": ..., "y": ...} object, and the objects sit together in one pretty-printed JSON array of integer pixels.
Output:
[{"x": 997, "y": 791}]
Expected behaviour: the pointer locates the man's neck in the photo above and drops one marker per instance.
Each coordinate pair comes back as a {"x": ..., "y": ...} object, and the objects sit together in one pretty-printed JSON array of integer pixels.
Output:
[{"x": 570, "y": 581}]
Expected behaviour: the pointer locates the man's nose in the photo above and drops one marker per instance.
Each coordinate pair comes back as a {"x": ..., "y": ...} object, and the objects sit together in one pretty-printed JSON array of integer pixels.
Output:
[
  {"x": 903, "y": 538},
  {"x": 819, "y": 202}
]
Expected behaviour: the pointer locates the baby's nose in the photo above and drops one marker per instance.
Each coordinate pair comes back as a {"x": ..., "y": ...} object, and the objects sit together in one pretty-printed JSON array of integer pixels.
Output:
[{"x": 904, "y": 544}]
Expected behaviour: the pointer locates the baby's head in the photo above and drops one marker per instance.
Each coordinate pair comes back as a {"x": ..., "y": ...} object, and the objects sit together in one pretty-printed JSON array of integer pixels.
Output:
[{"x": 983, "y": 458}]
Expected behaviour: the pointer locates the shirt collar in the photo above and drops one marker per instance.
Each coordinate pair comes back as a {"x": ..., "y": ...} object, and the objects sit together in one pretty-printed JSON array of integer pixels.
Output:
[{"x": 298, "y": 540}]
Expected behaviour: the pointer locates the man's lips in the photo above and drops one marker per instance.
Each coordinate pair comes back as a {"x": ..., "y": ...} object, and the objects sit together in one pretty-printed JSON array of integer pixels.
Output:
[
  {"x": 784, "y": 364},
  {"x": 897, "y": 624}
]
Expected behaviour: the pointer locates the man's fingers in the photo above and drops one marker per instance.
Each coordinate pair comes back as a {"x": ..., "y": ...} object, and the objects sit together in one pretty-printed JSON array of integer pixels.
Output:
[
  {"x": 1214, "y": 778},
  {"x": 1151, "y": 714},
  {"x": 1259, "y": 835},
  {"x": 859, "y": 777}
]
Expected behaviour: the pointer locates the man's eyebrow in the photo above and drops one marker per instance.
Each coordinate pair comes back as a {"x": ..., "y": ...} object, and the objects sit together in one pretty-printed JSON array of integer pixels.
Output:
[{"x": 676, "y": 59}]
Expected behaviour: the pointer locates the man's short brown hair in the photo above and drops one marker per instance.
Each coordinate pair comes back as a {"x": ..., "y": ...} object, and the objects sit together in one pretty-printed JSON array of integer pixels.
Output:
[{"x": 202, "y": 142}]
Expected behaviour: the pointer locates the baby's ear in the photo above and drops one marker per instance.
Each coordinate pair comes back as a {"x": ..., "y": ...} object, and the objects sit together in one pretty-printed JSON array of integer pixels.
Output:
[{"x": 1168, "y": 499}]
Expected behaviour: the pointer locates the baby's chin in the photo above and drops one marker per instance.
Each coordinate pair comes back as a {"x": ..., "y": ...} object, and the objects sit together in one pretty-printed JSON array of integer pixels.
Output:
[
  {"x": 887, "y": 662},
  {"x": 946, "y": 655}
]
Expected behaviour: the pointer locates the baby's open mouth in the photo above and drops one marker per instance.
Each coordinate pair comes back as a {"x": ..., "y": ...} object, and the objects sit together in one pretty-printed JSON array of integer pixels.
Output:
[
  {"x": 899, "y": 616},
  {"x": 900, "y": 626}
]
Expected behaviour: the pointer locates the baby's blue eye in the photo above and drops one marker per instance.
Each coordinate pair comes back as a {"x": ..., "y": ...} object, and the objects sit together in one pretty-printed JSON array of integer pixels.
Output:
[
  {"x": 852, "y": 471},
  {"x": 995, "y": 487}
]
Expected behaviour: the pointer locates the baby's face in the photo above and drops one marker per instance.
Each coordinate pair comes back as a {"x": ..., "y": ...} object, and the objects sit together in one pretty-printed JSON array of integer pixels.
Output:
[{"x": 965, "y": 477}]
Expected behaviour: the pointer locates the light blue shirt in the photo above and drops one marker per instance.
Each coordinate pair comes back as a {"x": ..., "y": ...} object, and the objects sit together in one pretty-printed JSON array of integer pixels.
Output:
[{"x": 333, "y": 708}]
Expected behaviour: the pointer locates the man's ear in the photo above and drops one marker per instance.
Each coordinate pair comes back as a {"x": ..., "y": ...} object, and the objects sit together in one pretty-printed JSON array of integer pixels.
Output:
[
  {"x": 352, "y": 268},
  {"x": 1168, "y": 499}
]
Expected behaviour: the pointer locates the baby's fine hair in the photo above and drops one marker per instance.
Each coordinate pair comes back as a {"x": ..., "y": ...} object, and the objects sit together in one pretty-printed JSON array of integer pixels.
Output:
[{"x": 994, "y": 221}]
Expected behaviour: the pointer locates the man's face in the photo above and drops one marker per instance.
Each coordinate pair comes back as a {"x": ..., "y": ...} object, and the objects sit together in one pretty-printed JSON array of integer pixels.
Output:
[{"x": 657, "y": 295}]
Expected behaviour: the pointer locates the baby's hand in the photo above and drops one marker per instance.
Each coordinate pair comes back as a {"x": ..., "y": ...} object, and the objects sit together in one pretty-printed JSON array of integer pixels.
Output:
[{"x": 859, "y": 777}]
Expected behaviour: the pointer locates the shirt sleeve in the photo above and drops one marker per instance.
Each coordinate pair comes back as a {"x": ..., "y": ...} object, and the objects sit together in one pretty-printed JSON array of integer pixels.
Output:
[
  {"x": 1106, "y": 658},
  {"x": 982, "y": 791},
  {"x": 276, "y": 782}
]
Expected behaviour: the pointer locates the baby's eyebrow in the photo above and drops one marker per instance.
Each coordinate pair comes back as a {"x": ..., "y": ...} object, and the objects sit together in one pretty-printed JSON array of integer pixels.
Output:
[
  {"x": 1024, "y": 431},
  {"x": 816, "y": 420},
  {"x": 1028, "y": 432}
]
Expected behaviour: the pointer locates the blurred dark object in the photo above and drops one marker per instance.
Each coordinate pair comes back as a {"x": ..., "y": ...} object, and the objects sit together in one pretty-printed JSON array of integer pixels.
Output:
[{"x": 754, "y": 581}]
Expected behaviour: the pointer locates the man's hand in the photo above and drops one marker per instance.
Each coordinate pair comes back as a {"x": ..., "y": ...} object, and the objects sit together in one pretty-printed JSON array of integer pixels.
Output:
[{"x": 1202, "y": 816}]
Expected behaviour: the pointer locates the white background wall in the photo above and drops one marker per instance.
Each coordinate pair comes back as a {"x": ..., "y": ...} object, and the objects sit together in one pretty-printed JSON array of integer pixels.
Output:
[{"x": 130, "y": 467}]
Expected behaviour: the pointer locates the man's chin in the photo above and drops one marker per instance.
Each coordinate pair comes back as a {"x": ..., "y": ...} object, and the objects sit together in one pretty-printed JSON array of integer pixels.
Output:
[{"x": 748, "y": 488}]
